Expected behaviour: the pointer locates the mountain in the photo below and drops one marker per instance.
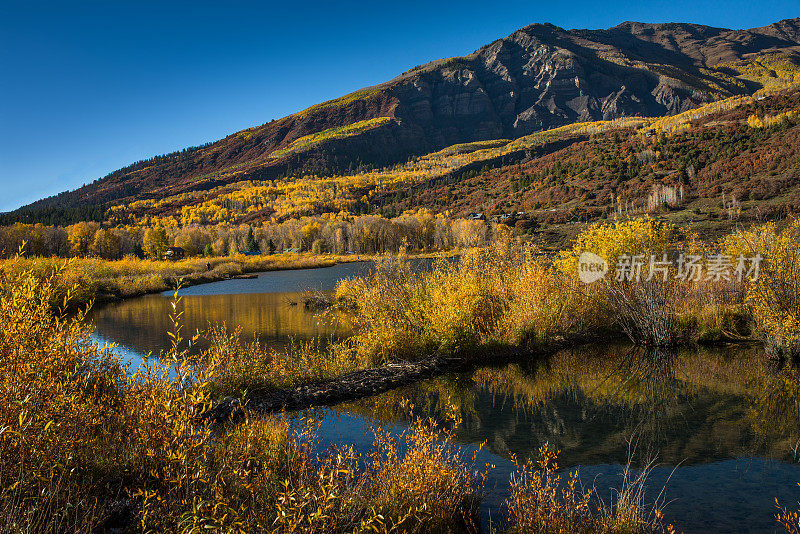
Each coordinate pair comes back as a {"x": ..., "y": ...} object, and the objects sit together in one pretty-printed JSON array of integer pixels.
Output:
[{"x": 538, "y": 78}]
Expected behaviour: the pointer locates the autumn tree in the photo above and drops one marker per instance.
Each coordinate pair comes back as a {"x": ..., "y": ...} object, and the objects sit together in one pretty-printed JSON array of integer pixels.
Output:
[
  {"x": 106, "y": 244},
  {"x": 81, "y": 237},
  {"x": 155, "y": 242}
]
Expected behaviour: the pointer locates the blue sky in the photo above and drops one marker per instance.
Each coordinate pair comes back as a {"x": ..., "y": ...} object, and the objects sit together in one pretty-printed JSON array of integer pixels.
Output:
[{"x": 88, "y": 87}]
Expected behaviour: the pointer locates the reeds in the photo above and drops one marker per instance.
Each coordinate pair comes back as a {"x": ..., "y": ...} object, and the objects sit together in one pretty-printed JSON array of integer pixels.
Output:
[{"x": 544, "y": 500}]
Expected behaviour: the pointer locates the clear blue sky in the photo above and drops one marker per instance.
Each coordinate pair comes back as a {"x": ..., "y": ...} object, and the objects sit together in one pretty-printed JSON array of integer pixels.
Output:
[{"x": 88, "y": 87}]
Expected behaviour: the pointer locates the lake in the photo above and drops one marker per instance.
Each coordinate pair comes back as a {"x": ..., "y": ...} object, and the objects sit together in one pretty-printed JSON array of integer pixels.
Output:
[{"x": 720, "y": 425}]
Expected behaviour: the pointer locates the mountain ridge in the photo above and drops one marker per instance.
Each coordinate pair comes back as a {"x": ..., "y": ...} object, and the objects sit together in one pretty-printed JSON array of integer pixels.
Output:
[{"x": 538, "y": 77}]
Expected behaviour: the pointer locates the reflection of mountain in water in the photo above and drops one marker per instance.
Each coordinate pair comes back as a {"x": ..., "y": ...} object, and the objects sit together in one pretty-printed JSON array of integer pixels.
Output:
[{"x": 693, "y": 406}]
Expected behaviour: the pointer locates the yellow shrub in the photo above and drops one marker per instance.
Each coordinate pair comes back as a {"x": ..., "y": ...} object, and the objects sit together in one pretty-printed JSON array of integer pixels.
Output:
[
  {"x": 427, "y": 489},
  {"x": 610, "y": 241},
  {"x": 775, "y": 295},
  {"x": 544, "y": 500},
  {"x": 78, "y": 433}
]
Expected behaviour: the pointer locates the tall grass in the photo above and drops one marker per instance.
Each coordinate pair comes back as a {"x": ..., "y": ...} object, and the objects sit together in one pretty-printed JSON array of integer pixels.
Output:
[
  {"x": 543, "y": 500},
  {"x": 248, "y": 366},
  {"x": 495, "y": 297}
]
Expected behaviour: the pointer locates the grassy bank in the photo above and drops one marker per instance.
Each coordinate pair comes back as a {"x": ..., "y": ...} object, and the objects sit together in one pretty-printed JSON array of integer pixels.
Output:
[
  {"x": 510, "y": 296},
  {"x": 511, "y": 300}
]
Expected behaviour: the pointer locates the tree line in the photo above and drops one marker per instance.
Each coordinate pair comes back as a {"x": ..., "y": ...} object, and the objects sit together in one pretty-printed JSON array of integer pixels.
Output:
[{"x": 415, "y": 230}]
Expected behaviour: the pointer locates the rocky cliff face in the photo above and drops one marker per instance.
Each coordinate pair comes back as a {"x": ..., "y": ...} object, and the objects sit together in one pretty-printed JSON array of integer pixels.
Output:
[
  {"x": 537, "y": 78},
  {"x": 543, "y": 76}
]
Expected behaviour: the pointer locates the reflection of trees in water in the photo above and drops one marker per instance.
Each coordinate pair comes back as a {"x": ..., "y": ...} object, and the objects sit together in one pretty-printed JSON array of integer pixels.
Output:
[
  {"x": 142, "y": 323},
  {"x": 775, "y": 406},
  {"x": 688, "y": 406}
]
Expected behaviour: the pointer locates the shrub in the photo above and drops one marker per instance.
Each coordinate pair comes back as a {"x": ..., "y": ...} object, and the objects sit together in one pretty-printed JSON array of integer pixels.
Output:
[
  {"x": 610, "y": 241},
  {"x": 775, "y": 295},
  {"x": 503, "y": 295},
  {"x": 240, "y": 367},
  {"x": 89, "y": 445},
  {"x": 645, "y": 310},
  {"x": 544, "y": 501},
  {"x": 430, "y": 488},
  {"x": 788, "y": 519}
]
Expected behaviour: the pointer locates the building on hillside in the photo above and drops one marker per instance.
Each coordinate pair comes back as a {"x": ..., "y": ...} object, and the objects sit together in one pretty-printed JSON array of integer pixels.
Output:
[{"x": 174, "y": 254}]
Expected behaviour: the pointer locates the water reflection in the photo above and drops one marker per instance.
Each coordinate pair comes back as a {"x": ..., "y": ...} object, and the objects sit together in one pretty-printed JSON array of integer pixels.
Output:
[
  {"x": 262, "y": 307},
  {"x": 721, "y": 424},
  {"x": 142, "y": 324},
  {"x": 685, "y": 407},
  {"x": 726, "y": 417}
]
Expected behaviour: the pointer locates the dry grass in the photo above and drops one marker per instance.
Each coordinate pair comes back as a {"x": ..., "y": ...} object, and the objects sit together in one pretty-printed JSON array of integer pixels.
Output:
[{"x": 542, "y": 500}]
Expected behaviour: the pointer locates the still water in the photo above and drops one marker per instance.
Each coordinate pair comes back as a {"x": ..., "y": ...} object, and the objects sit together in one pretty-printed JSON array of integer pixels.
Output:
[
  {"x": 268, "y": 307},
  {"x": 722, "y": 426}
]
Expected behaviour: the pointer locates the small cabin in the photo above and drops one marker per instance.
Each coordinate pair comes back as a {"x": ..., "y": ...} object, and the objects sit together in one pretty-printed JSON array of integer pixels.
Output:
[{"x": 174, "y": 254}]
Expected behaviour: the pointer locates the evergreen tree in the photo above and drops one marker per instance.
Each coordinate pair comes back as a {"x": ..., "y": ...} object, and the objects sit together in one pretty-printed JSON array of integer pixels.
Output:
[{"x": 250, "y": 243}]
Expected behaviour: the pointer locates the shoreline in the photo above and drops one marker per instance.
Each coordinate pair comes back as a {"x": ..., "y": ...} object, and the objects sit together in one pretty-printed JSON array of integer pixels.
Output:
[
  {"x": 369, "y": 382},
  {"x": 121, "y": 282}
]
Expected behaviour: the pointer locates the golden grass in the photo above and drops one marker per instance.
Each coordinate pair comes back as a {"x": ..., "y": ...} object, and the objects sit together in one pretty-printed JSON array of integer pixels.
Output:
[
  {"x": 546, "y": 501},
  {"x": 92, "y": 278},
  {"x": 308, "y": 141},
  {"x": 511, "y": 296}
]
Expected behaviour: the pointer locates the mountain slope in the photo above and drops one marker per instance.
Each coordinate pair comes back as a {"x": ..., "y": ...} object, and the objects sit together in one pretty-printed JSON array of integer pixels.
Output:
[
  {"x": 743, "y": 151},
  {"x": 538, "y": 78}
]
